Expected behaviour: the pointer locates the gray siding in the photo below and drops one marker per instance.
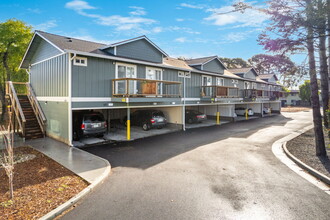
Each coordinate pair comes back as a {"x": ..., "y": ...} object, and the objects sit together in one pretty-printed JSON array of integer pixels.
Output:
[
  {"x": 272, "y": 80},
  {"x": 44, "y": 50},
  {"x": 250, "y": 75},
  {"x": 214, "y": 66},
  {"x": 140, "y": 50},
  {"x": 50, "y": 78},
  {"x": 93, "y": 80},
  {"x": 194, "y": 85},
  {"x": 57, "y": 119}
]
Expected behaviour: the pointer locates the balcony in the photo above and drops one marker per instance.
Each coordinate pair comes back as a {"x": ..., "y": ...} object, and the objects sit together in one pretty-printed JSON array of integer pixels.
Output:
[
  {"x": 275, "y": 95},
  {"x": 145, "y": 88},
  {"x": 219, "y": 92},
  {"x": 254, "y": 94}
]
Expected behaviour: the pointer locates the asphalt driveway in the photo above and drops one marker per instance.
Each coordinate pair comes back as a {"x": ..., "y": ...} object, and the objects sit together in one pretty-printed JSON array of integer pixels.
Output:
[{"x": 225, "y": 172}]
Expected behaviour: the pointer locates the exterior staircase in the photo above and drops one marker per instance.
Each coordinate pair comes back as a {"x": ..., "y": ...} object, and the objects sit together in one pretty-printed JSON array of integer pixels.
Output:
[
  {"x": 32, "y": 126},
  {"x": 28, "y": 119}
]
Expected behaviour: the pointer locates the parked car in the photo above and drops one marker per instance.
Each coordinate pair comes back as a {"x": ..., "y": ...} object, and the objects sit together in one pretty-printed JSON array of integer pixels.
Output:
[
  {"x": 266, "y": 110},
  {"x": 88, "y": 124},
  {"x": 193, "y": 116},
  {"x": 147, "y": 119},
  {"x": 241, "y": 111}
]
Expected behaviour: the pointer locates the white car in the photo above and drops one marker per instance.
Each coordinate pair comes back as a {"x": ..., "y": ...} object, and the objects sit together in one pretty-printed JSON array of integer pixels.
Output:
[
  {"x": 241, "y": 111},
  {"x": 266, "y": 110}
]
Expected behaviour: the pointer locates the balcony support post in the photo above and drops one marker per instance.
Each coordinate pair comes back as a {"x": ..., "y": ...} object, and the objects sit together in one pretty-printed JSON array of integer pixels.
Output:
[{"x": 128, "y": 123}]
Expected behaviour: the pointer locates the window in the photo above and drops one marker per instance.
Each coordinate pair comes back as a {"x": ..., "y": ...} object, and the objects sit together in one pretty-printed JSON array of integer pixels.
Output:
[
  {"x": 206, "y": 83},
  {"x": 220, "y": 81},
  {"x": 184, "y": 74},
  {"x": 246, "y": 85},
  {"x": 80, "y": 61},
  {"x": 254, "y": 85},
  {"x": 263, "y": 85},
  {"x": 155, "y": 74}
]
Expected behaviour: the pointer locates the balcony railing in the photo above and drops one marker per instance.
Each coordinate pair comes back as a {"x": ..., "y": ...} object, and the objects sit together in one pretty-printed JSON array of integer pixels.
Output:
[
  {"x": 275, "y": 95},
  {"x": 219, "y": 92},
  {"x": 254, "y": 93},
  {"x": 132, "y": 87}
]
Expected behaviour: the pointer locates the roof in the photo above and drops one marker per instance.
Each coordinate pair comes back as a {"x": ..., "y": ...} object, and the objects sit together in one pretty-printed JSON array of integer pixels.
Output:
[
  {"x": 69, "y": 43},
  {"x": 228, "y": 73},
  {"x": 135, "y": 39},
  {"x": 240, "y": 70},
  {"x": 176, "y": 63},
  {"x": 267, "y": 76},
  {"x": 258, "y": 79},
  {"x": 200, "y": 61}
]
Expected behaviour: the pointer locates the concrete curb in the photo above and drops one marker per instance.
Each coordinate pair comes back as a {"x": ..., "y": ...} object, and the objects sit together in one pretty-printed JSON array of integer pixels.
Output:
[
  {"x": 280, "y": 151},
  {"x": 68, "y": 204},
  {"x": 309, "y": 169}
]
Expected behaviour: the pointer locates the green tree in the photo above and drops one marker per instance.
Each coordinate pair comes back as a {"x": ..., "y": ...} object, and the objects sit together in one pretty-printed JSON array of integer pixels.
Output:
[
  {"x": 234, "y": 62},
  {"x": 14, "y": 39},
  {"x": 305, "y": 91}
]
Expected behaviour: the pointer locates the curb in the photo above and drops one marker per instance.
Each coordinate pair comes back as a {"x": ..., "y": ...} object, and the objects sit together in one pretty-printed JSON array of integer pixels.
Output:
[
  {"x": 280, "y": 151},
  {"x": 68, "y": 204},
  {"x": 309, "y": 169}
]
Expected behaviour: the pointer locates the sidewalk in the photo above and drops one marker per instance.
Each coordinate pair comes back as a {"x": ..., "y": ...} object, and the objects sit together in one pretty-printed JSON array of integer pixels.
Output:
[{"x": 82, "y": 163}]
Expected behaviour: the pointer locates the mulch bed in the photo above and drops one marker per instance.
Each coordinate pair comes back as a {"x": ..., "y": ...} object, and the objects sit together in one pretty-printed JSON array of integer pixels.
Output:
[
  {"x": 294, "y": 109},
  {"x": 40, "y": 185},
  {"x": 303, "y": 147}
]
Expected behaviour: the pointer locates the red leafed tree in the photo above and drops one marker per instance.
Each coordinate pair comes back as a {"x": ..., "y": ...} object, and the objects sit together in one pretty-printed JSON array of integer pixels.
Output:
[{"x": 295, "y": 28}]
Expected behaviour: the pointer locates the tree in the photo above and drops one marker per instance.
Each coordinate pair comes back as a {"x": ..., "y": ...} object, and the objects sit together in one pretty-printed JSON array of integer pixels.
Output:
[
  {"x": 232, "y": 63},
  {"x": 293, "y": 21},
  {"x": 305, "y": 91},
  {"x": 14, "y": 38},
  {"x": 280, "y": 65}
]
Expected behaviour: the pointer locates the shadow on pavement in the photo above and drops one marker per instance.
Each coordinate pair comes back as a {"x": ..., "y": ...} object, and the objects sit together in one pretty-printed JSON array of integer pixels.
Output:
[{"x": 147, "y": 152}]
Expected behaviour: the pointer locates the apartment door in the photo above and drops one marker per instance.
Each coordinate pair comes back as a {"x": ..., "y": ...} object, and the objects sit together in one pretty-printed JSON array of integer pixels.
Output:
[
  {"x": 207, "y": 81},
  {"x": 155, "y": 74},
  {"x": 126, "y": 71}
]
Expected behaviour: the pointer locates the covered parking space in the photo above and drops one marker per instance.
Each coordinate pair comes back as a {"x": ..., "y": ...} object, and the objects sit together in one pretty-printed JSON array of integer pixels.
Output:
[
  {"x": 274, "y": 106},
  {"x": 118, "y": 131},
  {"x": 225, "y": 115},
  {"x": 257, "y": 109}
]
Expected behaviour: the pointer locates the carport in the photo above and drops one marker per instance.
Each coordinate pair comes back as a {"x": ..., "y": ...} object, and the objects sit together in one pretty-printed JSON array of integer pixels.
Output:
[
  {"x": 117, "y": 131},
  {"x": 256, "y": 107},
  {"x": 210, "y": 110}
]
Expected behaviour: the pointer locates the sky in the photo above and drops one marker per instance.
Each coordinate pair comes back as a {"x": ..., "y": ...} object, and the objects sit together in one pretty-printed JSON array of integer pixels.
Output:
[{"x": 181, "y": 28}]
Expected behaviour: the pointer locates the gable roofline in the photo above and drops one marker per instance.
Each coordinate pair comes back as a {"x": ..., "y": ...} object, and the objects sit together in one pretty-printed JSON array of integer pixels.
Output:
[
  {"x": 31, "y": 41},
  {"x": 211, "y": 58},
  {"x": 135, "y": 39}
]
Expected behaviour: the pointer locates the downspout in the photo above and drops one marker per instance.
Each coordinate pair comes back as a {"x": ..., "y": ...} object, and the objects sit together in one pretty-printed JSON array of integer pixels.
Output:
[{"x": 70, "y": 97}]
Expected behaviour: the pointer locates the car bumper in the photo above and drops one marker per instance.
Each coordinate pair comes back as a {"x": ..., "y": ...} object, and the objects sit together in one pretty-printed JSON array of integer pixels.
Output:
[
  {"x": 157, "y": 124},
  {"x": 94, "y": 132}
]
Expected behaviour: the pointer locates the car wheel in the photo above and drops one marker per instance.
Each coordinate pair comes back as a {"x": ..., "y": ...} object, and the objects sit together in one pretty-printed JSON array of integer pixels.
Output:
[
  {"x": 190, "y": 121},
  {"x": 160, "y": 127},
  {"x": 145, "y": 126},
  {"x": 75, "y": 136}
]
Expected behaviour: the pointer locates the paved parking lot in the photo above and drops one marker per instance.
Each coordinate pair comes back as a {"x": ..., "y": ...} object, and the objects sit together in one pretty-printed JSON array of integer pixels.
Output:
[{"x": 219, "y": 172}]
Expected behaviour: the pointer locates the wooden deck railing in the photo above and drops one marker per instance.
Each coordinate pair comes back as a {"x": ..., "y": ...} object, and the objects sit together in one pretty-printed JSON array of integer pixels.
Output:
[
  {"x": 13, "y": 89},
  {"x": 16, "y": 106},
  {"x": 219, "y": 92},
  {"x": 133, "y": 87}
]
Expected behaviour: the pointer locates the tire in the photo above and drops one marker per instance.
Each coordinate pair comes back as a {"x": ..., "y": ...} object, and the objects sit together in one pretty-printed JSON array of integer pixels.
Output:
[
  {"x": 190, "y": 121},
  {"x": 160, "y": 127},
  {"x": 76, "y": 136},
  {"x": 145, "y": 126}
]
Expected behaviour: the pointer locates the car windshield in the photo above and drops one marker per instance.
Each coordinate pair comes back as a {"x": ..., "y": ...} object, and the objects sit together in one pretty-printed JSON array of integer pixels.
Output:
[
  {"x": 158, "y": 113},
  {"x": 195, "y": 112},
  {"x": 93, "y": 118}
]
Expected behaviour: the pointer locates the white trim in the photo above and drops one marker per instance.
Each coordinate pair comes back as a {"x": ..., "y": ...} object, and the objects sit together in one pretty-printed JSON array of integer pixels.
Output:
[
  {"x": 136, "y": 39},
  {"x": 125, "y": 107},
  {"x": 190, "y": 99},
  {"x": 115, "y": 51},
  {"x": 70, "y": 96},
  {"x": 90, "y": 99},
  {"x": 49, "y": 42},
  {"x": 221, "y": 80},
  {"x": 48, "y": 59},
  {"x": 20, "y": 66},
  {"x": 53, "y": 98}
]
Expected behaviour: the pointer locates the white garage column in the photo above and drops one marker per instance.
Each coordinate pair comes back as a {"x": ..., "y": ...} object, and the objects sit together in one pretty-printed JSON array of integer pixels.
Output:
[{"x": 173, "y": 115}]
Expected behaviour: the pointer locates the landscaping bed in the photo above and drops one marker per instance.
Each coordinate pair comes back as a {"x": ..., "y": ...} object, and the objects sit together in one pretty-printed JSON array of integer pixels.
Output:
[
  {"x": 40, "y": 185},
  {"x": 294, "y": 109},
  {"x": 303, "y": 148}
]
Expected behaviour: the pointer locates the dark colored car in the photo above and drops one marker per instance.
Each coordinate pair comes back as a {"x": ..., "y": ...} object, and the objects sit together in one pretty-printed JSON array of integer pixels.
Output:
[
  {"x": 88, "y": 124},
  {"x": 148, "y": 119},
  {"x": 193, "y": 116}
]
